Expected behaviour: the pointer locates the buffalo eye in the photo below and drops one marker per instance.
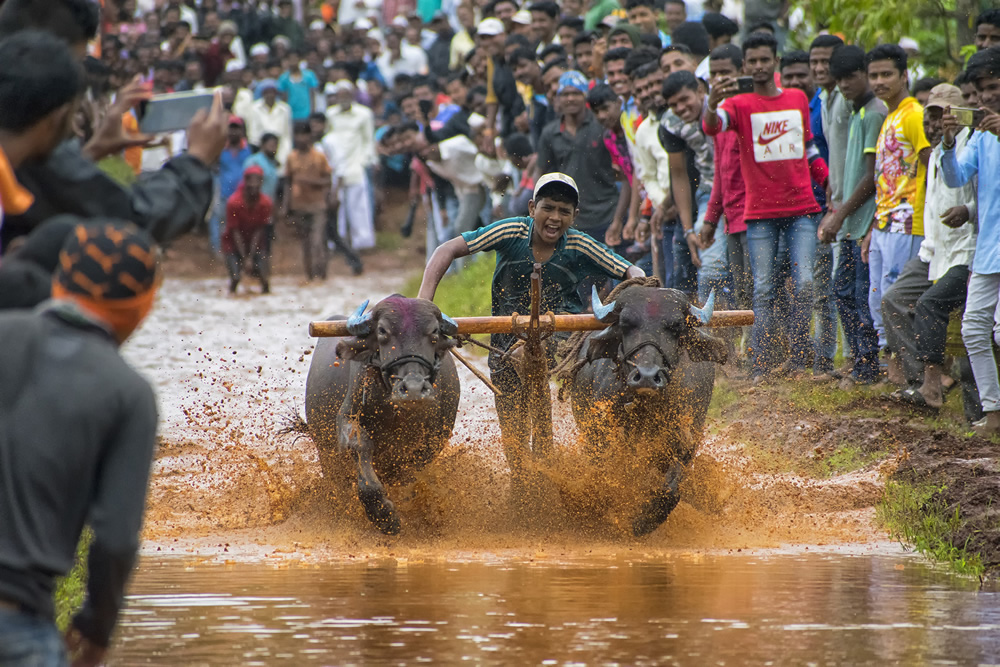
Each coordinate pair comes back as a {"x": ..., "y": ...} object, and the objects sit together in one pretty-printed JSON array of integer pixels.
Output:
[{"x": 383, "y": 332}]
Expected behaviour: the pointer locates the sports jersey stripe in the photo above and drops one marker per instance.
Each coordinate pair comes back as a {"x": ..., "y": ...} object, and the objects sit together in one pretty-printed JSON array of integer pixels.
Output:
[
  {"x": 597, "y": 252},
  {"x": 479, "y": 244},
  {"x": 500, "y": 233}
]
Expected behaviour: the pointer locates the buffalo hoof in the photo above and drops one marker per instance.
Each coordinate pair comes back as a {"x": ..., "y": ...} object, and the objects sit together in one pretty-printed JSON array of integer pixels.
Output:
[
  {"x": 654, "y": 514},
  {"x": 380, "y": 510}
]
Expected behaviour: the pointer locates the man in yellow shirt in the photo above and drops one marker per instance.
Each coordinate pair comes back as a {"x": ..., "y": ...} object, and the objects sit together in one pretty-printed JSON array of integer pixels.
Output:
[{"x": 901, "y": 159}]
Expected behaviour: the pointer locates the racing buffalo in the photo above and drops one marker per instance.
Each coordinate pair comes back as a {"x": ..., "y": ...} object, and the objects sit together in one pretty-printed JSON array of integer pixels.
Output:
[
  {"x": 388, "y": 396},
  {"x": 649, "y": 376}
]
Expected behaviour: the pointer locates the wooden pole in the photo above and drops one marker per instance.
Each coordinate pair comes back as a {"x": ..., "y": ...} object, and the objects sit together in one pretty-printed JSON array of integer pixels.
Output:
[
  {"x": 491, "y": 325},
  {"x": 536, "y": 374}
]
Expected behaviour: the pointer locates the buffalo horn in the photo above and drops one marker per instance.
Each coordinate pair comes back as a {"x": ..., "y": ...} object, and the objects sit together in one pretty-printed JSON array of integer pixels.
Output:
[
  {"x": 360, "y": 324},
  {"x": 601, "y": 312},
  {"x": 449, "y": 327},
  {"x": 705, "y": 314}
]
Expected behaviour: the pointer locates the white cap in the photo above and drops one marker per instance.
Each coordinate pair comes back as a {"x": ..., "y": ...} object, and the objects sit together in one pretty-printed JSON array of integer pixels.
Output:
[
  {"x": 522, "y": 16},
  {"x": 260, "y": 50},
  {"x": 377, "y": 35},
  {"x": 363, "y": 24},
  {"x": 908, "y": 43},
  {"x": 317, "y": 25},
  {"x": 336, "y": 87},
  {"x": 490, "y": 27},
  {"x": 400, "y": 22},
  {"x": 554, "y": 177},
  {"x": 281, "y": 39},
  {"x": 234, "y": 66}
]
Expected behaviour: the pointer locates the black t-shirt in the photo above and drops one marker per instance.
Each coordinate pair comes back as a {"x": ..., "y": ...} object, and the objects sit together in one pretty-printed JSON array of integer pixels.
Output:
[{"x": 674, "y": 144}]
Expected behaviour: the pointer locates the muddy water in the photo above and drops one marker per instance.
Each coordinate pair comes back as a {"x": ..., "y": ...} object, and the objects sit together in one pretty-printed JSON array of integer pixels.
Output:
[
  {"x": 685, "y": 609},
  {"x": 252, "y": 555}
]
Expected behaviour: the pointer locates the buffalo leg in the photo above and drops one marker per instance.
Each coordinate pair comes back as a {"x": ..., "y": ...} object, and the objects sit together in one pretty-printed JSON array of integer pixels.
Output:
[
  {"x": 661, "y": 504},
  {"x": 371, "y": 492}
]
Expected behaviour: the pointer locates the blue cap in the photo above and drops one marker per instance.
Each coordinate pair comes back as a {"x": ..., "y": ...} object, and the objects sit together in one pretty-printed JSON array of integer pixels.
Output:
[{"x": 573, "y": 79}]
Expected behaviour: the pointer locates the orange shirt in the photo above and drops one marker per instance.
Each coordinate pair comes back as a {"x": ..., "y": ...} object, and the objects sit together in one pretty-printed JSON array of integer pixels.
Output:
[
  {"x": 14, "y": 198},
  {"x": 313, "y": 165}
]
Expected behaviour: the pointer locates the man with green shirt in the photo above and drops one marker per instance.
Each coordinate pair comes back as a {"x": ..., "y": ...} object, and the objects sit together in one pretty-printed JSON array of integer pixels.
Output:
[
  {"x": 851, "y": 221},
  {"x": 568, "y": 257}
]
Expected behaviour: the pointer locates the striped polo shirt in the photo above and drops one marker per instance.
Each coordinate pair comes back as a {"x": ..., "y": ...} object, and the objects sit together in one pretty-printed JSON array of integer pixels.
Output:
[{"x": 577, "y": 256}]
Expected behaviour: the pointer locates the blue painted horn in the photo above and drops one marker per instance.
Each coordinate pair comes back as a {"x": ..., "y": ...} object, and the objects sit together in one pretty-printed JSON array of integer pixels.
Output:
[
  {"x": 449, "y": 327},
  {"x": 601, "y": 312},
  {"x": 705, "y": 314},
  {"x": 360, "y": 324}
]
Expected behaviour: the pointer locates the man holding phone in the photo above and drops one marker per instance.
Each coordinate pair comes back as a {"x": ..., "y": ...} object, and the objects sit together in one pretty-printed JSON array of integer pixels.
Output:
[
  {"x": 779, "y": 162},
  {"x": 167, "y": 202},
  {"x": 981, "y": 156}
]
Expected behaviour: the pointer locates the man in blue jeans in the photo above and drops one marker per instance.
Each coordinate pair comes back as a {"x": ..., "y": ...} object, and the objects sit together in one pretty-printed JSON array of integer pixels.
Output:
[
  {"x": 779, "y": 163},
  {"x": 850, "y": 222}
]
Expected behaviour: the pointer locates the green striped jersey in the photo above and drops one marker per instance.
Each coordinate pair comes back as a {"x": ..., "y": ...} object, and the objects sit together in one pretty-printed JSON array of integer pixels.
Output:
[{"x": 577, "y": 257}]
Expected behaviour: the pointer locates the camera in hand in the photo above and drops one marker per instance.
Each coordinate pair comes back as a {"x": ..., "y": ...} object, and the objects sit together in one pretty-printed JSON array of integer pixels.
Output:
[
  {"x": 744, "y": 84},
  {"x": 967, "y": 117}
]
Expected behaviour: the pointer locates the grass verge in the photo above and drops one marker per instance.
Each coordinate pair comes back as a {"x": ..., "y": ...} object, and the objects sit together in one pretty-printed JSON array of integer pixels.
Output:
[
  {"x": 914, "y": 514},
  {"x": 71, "y": 589},
  {"x": 465, "y": 293}
]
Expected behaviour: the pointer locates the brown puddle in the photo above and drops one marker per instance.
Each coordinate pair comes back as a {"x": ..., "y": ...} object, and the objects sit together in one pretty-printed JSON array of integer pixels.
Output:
[{"x": 685, "y": 609}]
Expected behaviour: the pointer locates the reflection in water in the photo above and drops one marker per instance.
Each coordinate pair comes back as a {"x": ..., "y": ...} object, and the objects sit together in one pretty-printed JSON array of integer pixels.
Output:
[{"x": 686, "y": 609}]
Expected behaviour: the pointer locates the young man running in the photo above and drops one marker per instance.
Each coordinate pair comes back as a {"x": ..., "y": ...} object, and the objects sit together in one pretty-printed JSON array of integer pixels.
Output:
[{"x": 568, "y": 256}]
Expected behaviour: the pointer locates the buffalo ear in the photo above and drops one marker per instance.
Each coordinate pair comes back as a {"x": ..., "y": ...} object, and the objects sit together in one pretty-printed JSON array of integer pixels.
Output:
[
  {"x": 353, "y": 349},
  {"x": 701, "y": 346},
  {"x": 604, "y": 344}
]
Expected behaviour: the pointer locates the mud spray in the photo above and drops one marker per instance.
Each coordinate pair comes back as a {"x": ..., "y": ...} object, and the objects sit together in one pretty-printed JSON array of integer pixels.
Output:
[{"x": 226, "y": 486}]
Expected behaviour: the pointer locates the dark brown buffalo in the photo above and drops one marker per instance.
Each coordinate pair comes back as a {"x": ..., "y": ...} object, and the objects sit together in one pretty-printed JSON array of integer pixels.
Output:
[
  {"x": 388, "y": 396},
  {"x": 649, "y": 376}
]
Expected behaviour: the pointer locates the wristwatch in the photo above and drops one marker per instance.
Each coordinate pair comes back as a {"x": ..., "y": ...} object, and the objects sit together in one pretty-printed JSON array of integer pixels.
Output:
[{"x": 688, "y": 232}]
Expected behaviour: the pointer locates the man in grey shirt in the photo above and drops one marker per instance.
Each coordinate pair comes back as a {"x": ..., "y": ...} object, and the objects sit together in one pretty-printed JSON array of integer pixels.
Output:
[
  {"x": 77, "y": 434},
  {"x": 574, "y": 145}
]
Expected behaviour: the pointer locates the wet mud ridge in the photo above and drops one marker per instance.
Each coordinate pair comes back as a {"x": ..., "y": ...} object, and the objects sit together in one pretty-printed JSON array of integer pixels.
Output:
[{"x": 230, "y": 372}]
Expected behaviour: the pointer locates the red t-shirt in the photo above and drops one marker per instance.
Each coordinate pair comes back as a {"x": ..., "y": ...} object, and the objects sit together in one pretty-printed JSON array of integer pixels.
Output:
[
  {"x": 773, "y": 133},
  {"x": 244, "y": 220}
]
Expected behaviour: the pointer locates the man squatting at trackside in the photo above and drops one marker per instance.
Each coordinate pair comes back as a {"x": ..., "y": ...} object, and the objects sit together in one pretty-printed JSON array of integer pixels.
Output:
[{"x": 570, "y": 257}]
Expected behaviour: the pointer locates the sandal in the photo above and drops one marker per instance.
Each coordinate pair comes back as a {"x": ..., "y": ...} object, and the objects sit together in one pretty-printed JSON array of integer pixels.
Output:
[{"x": 915, "y": 399}]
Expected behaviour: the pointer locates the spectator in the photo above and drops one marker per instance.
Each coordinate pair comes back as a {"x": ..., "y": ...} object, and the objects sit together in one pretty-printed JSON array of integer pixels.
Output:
[
  {"x": 922, "y": 88},
  {"x": 522, "y": 157},
  {"x": 567, "y": 31},
  {"x": 607, "y": 108},
  {"x": 350, "y": 149},
  {"x": 272, "y": 116},
  {"x": 728, "y": 189},
  {"x": 298, "y": 85},
  {"x": 721, "y": 29},
  {"x": 918, "y": 305},
  {"x": 503, "y": 102},
  {"x": 439, "y": 52},
  {"x": 614, "y": 71},
  {"x": 675, "y": 14},
  {"x": 900, "y": 165},
  {"x": 399, "y": 58},
  {"x": 266, "y": 159},
  {"x": 38, "y": 86},
  {"x": 528, "y": 73},
  {"x": 544, "y": 18},
  {"x": 465, "y": 39},
  {"x": 285, "y": 24},
  {"x": 970, "y": 97},
  {"x": 988, "y": 29},
  {"x": 167, "y": 202},
  {"x": 230, "y": 175},
  {"x": 677, "y": 58},
  {"x": 307, "y": 185},
  {"x": 981, "y": 156},
  {"x": 692, "y": 167},
  {"x": 574, "y": 145},
  {"x": 850, "y": 222},
  {"x": 695, "y": 38},
  {"x": 87, "y": 462},
  {"x": 643, "y": 15},
  {"x": 583, "y": 53},
  {"x": 245, "y": 241},
  {"x": 778, "y": 159}
]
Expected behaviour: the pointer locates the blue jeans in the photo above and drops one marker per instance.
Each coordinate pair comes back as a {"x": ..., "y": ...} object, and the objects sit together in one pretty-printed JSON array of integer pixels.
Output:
[
  {"x": 667, "y": 254},
  {"x": 764, "y": 236},
  {"x": 685, "y": 275},
  {"x": 851, "y": 287},
  {"x": 826, "y": 309},
  {"x": 29, "y": 641}
]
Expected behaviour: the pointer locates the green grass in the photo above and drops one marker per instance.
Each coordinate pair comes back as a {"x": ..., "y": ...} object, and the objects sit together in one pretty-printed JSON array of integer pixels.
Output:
[
  {"x": 462, "y": 294},
  {"x": 847, "y": 458},
  {"x": 723, "y": 396},
  {"x": 915, "y": 515},
  {"x": 71, "y": 589}
]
